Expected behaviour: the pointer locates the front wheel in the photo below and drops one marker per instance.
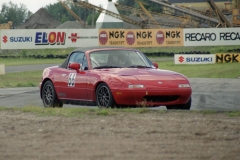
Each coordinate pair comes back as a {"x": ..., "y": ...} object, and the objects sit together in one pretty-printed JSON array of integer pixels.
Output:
[
  {"x": 104, "y": 96},
  {"x": 186, "y": 106},
  {"x": 49, "y": 96}
]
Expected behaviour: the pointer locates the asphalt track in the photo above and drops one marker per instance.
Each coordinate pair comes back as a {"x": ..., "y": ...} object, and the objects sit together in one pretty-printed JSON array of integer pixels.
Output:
[{"x": 208, "y": 93}]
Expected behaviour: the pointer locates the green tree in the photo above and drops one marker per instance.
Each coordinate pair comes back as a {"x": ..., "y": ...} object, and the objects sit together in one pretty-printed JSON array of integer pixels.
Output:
[
  {"x": 59, "y": 12},
  {"x": 129, "y": 3},
  {"x": 62, "y": 15},
  {"x": 89, "y": 18},
  {"x": 13, "y": 12},
  {"x": 150, "y": 6}
]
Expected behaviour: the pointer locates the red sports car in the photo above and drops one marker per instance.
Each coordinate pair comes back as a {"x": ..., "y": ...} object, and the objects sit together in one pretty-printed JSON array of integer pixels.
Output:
[{"x": 113, "y": 76}]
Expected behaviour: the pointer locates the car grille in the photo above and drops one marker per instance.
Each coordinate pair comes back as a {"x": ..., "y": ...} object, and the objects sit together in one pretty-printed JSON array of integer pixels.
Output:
[{"x": 160, "y": 98}]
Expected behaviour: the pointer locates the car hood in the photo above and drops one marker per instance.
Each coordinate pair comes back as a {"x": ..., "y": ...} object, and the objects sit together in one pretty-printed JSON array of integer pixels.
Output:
[
  {"x": 150, "y": 77},
  {"x": 145, "y": 74}
]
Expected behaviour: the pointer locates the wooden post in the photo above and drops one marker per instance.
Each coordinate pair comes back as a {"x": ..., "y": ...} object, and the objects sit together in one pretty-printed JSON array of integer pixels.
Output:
[{"x": 2, "y": 69}]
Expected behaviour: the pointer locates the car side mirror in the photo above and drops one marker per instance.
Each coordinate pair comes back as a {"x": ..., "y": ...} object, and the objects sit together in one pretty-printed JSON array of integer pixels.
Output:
[
  {"x": 75, "y": 66},
  {"x": 155, "y": 64}
]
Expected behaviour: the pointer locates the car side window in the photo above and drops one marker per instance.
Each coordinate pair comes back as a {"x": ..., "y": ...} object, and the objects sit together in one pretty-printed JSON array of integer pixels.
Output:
[
  {"x": 137, "y": 59},
  {"x": 77, "y": 57},
  {"x": 84, "y": 65}
]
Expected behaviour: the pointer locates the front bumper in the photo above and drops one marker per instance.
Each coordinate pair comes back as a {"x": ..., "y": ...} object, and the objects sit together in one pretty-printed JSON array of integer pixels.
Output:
[{"x": 150, "y": 98}]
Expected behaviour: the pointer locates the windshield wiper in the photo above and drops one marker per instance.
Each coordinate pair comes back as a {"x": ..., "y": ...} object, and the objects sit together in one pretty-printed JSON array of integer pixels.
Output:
[
  {"x": 139, "y": 66},
  {"x": 100, "y": 67}
]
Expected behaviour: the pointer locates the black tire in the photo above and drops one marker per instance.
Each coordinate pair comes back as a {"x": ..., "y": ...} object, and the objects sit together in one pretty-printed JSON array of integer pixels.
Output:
[
  {"x": 104, "y": 98},
  {"x": 49, "y": 96},
  {"x": 186, "y": 106}
]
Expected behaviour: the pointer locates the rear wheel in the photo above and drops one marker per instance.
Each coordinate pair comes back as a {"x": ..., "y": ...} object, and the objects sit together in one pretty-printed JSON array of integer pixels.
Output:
[
  {"x": 104, "y": 96},
  {"x": 186, "y": 106},
  {"x": 49, "y": 96}
]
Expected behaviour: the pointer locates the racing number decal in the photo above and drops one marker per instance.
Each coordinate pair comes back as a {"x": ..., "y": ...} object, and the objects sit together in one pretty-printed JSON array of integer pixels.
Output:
[{"x": 71, "y": 79}]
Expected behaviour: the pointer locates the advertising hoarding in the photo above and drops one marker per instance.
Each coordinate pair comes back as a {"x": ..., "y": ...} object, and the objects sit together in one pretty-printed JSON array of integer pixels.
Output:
[
  {"x": 227, "y": 58},
  {"x": 141, "y": 37},
  {"x": 65, "y": 38},
  {"x": 194, "y": 59},
  {"x": 48, "y": 38},
  {"x": 211, "y": 36}
]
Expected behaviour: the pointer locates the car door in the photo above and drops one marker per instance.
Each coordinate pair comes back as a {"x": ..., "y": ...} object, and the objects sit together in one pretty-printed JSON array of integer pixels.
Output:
[
  {"x": 81, "y": 80},
  {"x": 72, "y": 84}
]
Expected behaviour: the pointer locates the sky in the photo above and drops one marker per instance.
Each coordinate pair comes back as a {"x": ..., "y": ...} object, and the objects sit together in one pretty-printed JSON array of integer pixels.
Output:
[{"x": 35, "y": 5}]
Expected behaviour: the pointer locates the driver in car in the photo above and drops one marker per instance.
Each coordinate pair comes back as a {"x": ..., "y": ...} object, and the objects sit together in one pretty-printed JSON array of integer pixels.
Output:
[{"x": 122, "y": 59}]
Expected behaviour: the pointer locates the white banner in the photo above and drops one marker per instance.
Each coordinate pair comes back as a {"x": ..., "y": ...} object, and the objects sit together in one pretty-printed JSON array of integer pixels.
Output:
[
  {"x": 211, "y": 36},
  {"x": 48, "y": 38},
  {"x": 194, "y": 58},
  {"x": 65, "y": 38}
]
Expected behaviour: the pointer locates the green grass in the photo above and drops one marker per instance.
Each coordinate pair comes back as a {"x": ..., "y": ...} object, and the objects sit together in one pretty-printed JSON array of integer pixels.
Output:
[
  {"x": 220, "y": 70},
  {"x": 78, "y": 112},
  {"x": 21, "y": 79},
  {"x": 81, "y": 112},
  {"x": 5, "y": 108},
  {"x": 233, "y": 114},
  {"x": 65, "y": 112},
  {"x": 211, "y": 49}
]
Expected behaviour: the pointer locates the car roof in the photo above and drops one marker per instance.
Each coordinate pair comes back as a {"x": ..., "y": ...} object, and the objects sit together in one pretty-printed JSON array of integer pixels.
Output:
[{"x": 84, "y": 49}]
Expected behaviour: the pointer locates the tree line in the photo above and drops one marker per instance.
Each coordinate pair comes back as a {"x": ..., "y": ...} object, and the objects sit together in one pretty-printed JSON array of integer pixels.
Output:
[{"x": 19, "y": 13}]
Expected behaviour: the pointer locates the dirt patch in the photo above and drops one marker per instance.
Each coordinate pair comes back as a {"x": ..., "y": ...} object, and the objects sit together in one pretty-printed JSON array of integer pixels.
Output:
[{"x": 170, "y": 135}]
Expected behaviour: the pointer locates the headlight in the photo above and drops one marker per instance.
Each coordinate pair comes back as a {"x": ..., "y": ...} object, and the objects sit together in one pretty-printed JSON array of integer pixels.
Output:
[
  {"x": 135, "y": 86},
  {"x": 184, "y": 86}
]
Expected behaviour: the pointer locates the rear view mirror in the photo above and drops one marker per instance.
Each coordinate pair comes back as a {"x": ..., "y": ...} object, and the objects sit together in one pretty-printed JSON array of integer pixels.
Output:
[
  {"x": 75, "y": 66},
  {"x": 155, "y": 64}
]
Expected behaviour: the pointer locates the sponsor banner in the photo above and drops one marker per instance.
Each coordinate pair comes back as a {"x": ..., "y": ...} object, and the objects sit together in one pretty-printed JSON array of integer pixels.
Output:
[
  {"x": 141, "y": 37},
  {"x": 227, "y": 58},
  {"x": 48, "y": 38},
  {"x": 211, "y": 36},
  {"x": 194, "y": 59}
]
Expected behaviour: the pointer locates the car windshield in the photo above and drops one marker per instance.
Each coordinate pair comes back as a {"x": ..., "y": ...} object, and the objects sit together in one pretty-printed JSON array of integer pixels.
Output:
[{"x": 119, "y": 59}]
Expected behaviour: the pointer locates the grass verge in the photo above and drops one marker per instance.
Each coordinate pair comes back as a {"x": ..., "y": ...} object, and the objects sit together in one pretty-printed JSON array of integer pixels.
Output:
[
  {"x": 21, "y": 79},
  {"x": 211, "y": 49},
  {"x": 220, "y": 70},
  {"x": 80, "y": 112}
]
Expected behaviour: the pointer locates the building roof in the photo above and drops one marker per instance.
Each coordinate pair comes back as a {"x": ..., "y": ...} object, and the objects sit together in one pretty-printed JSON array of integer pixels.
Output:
[
  {"x": 40, "y": 20},
  {"x": 70, "y": 24}
]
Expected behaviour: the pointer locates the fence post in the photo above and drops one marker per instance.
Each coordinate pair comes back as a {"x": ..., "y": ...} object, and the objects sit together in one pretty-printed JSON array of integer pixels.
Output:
[{"x": 2, "y": 69}]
